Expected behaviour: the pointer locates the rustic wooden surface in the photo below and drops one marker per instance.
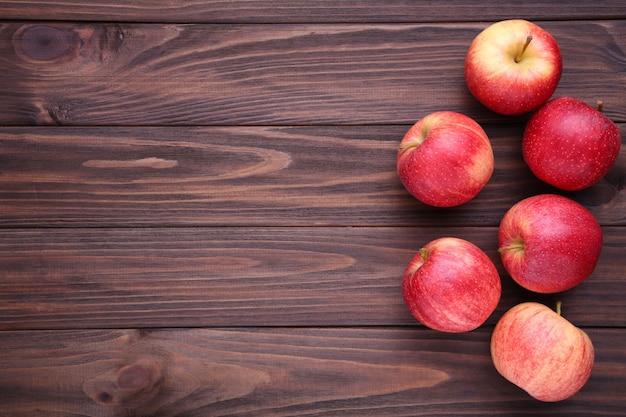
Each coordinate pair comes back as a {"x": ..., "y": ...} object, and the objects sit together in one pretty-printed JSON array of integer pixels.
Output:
[{"x": 200, "y": 216}]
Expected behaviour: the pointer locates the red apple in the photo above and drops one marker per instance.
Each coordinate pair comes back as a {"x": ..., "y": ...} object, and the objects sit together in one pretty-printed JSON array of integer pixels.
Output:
[
  {"x": 513, "y": 66},
  {"x": 451, "y": 285},
  {"x": 445, "y": 159},
  {"x": 541, "y": 352},
  {"x": 549, "y": 243},
  {"x": 569, "y": 144}
]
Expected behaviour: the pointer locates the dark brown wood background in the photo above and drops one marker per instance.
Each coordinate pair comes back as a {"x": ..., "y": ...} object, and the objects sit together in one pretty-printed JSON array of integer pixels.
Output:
[{"x": 200, "y": 215}]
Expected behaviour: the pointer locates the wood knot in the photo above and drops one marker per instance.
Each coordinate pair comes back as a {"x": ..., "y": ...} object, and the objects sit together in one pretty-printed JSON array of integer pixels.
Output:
[
  {"x": 131, "y": 386},
  {"x": 47, "y": 43},
  {"x": 134, "y": 377}
]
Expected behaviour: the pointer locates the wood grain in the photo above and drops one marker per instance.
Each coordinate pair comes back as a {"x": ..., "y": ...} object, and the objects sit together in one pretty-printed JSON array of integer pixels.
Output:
[
  {"x": 200, "y": 215},
  {"x": 170, "y": 74},
  {"x": 194, "y": 277},
  {"x": 282, "y": 372},
  {"x": 283, "y": 11},
  {"x": 250, "y": 176}
]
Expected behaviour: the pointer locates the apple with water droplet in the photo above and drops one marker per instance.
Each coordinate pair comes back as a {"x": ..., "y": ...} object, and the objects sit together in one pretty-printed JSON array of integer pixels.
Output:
[
  {"x": 549, "y": 243},
  {"x": 541, "y": 352}
]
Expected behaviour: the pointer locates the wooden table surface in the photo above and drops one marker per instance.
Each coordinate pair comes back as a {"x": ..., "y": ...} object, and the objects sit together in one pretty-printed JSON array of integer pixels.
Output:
[{"x": 200, "y": 214}]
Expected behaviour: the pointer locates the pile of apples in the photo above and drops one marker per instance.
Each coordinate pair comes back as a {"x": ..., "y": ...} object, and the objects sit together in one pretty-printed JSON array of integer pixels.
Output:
[{"x": 548, "y": 243}]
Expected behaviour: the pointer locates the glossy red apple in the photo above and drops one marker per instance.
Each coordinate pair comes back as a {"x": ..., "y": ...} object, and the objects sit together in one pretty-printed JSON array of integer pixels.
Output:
[
  {"x": 451, "y": 285},
  {"x": 541, "y": 352},
  {"x": 549, "y": 243},
  {"x": 513, "y": 66},
  {"x": 569, "y": 144},
  {"x": 445, "y": 159}
]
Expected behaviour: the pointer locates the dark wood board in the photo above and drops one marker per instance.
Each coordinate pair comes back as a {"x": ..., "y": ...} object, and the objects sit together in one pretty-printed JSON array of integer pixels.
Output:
[
  {"x": 316, "y": 276},
  {"x": 293, "y": 11},
  {"x": 283, "y": 372},
  {"x": 164, "y": 74},
  {"x": 245, "y": 176}
]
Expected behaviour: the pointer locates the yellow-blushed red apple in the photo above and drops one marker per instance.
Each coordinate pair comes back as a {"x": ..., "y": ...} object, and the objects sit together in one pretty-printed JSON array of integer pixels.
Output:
[
  {"x": 549, "y": 243},
  {"x": 445, "y": 159},
  {"x": 513, "y": 66},
  {"x": 569, "y": 144},
  {"x": 451, "y": 285},
  {"x": 541, "y": 352}
]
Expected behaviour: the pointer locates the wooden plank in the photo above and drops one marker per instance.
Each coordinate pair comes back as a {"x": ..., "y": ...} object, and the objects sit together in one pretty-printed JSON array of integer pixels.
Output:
[
  {"x": 193, "y": 277},
  {"x": 251, "y": 266},
  {"x": 282, "y": 372},
  {"x": 283, "y": 11},
  {"x": 145, "y": 74},
  {"x": 243, "y": 176}
]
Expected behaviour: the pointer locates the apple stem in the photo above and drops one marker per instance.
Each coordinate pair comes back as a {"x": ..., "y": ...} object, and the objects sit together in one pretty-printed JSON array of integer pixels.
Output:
[
  {"x": 408, "y": 145},
  {"x": 518, "y": 58},
  {"x": 513, "y": 246},
  {"x": 600, "y": 106},
  {"x": 424, "y": 253},
  {"x": 558, "y": 307}
]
